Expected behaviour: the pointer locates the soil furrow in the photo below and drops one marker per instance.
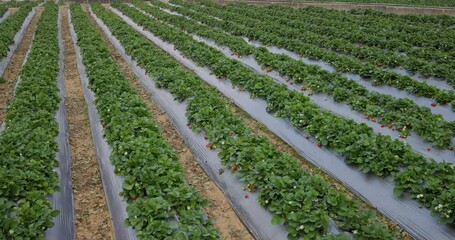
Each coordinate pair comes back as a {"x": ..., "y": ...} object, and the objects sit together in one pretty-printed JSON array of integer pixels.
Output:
[
  {"x": 93, "y": 220},
  {"x": 219, "y": 209}
]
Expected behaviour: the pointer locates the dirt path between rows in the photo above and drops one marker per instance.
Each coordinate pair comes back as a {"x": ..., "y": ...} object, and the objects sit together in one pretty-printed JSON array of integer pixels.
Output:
[
  {"x": 14, "y": 66},
  {"x": 219, "y": 209},
  {"x": 93, "y": 221}
]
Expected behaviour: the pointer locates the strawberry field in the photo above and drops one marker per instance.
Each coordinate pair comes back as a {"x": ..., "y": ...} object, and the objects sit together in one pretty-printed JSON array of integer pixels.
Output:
[{"x": 184, "y": 120}]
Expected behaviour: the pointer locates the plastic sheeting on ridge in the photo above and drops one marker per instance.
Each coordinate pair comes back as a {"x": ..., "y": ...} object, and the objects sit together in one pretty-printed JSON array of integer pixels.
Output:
[
  {"x": 64, "y": 226},
  {"x": 5, "y": 16},
  {"x": 256, "y": 218},
  {"x": 112, "y": 183},
  {"x": 376, "y": 191},
  {"x": 445, "y": 111},
  {"x": 4, "y": 63},
  {"x": 325, "y": 101},
  {"x": 17, "y": 39}
]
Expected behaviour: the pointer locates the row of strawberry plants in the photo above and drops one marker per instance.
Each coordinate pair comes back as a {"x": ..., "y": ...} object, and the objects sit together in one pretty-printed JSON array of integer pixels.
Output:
[
  {"x": 419, "y": 30},
  {"x": 10, "y": 26},
  {"x": 28, "y": 145},
  {"x": 405, "y": 19},
  {"x": 373, "y": 55},
  {"x": 358, "y": 143},
  {"x": 301, "y": 201},
  {"x": 342, "y": 63},
  {"x": 154, "y": 186},
  {"x": 402, "y": 114},
  {"x": 341, "y": 29},
  {"x": 3, "y": 9},
  {"x": 389, "y": 26},
  {"x": 413, "y": 19},
  {"x": 441, "y": 3}
]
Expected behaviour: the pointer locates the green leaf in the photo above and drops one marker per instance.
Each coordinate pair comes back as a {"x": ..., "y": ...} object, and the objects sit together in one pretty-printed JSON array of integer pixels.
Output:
[
  {"x": 278, "y": 220},
  {"x": 397, "y": 192}
]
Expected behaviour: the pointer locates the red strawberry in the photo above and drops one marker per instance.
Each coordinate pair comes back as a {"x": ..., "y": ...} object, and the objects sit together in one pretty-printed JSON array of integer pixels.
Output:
[
  {"x": 133, "y": 198},
  {"x": 428, "y": 149},
  {"x": 319, "y": 145},
  {"x": 235, "y": 168},
  {"x": 310, "y": 94},
  {"x": 231, "y": 134},
  {"x": 374, "y": 120},
  {"x": 205, "y": 137},
  {"x": 291, "y": 83},
  {"x": 367, "y": 117},
  {"x": 303, "y": 88},
  {"x": 307, "y": 137},
  {"x": 390, "y": 126},
  {"x": 434, "y": 104},
  {"x": 246, "y": 195},
  {"x": 269, "y": 70}
]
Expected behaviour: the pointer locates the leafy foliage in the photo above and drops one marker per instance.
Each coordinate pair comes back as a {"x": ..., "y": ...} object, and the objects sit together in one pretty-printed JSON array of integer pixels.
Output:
[
  {"x": 301, "y": 201},
  {"x": 154, "y": 186},
  {"x": 28, "y": 144},
  {"x": 11, "y": 26},
  {"x": 350, "y": 39},
  {"x": 357, "y": 143},
  {"x": 404, "y": 115},
  {"x": 444, "y": 3},
  {"x": 239, "y": 25}
]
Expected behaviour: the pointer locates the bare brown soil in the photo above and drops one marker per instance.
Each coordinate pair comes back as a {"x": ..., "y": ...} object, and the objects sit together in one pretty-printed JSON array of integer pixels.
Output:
[
  {"x": 93, "y": 220},
  {"x": 219, "y": 209},
  {"x": 14, "y": 66}
]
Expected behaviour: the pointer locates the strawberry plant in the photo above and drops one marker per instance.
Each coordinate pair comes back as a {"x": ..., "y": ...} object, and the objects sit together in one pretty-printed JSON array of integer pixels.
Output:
[
  {"x": 11, "y": 26},
  {"x": 274, "y": 174},
  {"x": 3, "y": 9},
  {"x": 341, "y": 35},
  {"x": 239, "y": 25},
  {"x": 161, "y": 204},
  {"x": 342, "y": 89},
  {"x": 28, "y": 144},
  {"x": 357, "y": 143}
]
